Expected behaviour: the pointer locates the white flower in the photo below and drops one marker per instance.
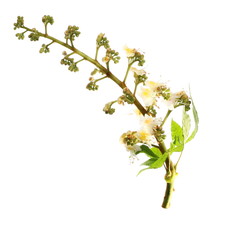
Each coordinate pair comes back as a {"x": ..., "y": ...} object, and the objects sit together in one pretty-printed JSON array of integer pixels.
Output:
[
  {"x": 148, "y": 96},
  {"x": 145, "y": 137},
  {"x": 148, "y": 123}
]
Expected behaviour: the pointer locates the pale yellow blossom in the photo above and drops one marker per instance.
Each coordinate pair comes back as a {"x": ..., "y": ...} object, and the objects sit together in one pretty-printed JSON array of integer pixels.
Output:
[
  {"x": 139, "y": 72},
  {"x": 130, "y": 51},
  {"x": 148, "y": 123},
  {"x": 106, "y": 59},
  {"x": 154, "y": 85},
  {"x": 148, "y": 96},
  {"x": 144, "y": 137}
]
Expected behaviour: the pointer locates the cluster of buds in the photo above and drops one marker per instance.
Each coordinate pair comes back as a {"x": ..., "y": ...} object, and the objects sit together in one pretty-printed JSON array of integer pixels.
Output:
[
  {"x": 108, "y": 108},
  {"x": 102, "y": 41},
  {"x": 69, "y": 62},
  {"x": 111, "y": 55},
  {"x": 129, "y": 138},
  {"x": 151, "y": 111},
  {"x": 47, "y": 19},
  {"x": 19, "y": 23},
  {"x": 20, "y": 36},
  {"x": 134, "y": 56},
  {"x": 34, "y": 36},
  {"x": 44, "y": 49},
  {"x": 92, "y": 86},
  {"x": 71, "y": 33},
  {"x": 139, "y": 75},
  {"x": 164, "y": 91},
  {"x": 127, "y": 96},
  {"x": 182, "y": 99},
  {"x": 159, "y": 133}
]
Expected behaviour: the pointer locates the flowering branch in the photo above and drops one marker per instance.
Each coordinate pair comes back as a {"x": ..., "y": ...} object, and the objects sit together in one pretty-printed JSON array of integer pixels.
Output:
[{"x": 150, "y": 138}]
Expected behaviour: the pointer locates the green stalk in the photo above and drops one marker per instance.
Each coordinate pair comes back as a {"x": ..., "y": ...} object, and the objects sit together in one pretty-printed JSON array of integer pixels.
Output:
[
  {"x": 168, "y": 195},
  {"x": 128, "y": 69},
  {"x": 96, "y": 55},
  {"x": 165, "y": 118}
]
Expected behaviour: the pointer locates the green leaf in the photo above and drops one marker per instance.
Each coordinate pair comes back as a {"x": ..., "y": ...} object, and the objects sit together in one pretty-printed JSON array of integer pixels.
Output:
[
  {"x": 159, "y": 162},
  {"x": 150, "y": 161},
  {"x": 196, "y": 120},
  {"x": 156, "y": 151},
  {"x": 145, "y": 149},
  {"x": 186, "y": 122},
  {"x": 176, "y": 148},
  {"x": 177, "y": 133}
]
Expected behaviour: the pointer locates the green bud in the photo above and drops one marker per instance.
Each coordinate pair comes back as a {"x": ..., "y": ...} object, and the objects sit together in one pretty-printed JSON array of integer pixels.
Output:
[
  {"x": 72, "y": 32},
  {"x": 112, "y": 55},
  {"x": 94, "y": 71},
  {"x": 34, "y": 36},
  {"x": 108, "y": 108},
  {"x": 67, "y": 61},
  {"x": 20, "y": 36},
  {"x": 151, "y": 111},
  {"x": 102, "y": 41},
  {"x": 137, "y": 57},
  {"x": 128, "y": 96},
  {"x": 47, "y": 19},
  {"x": 44, "y": 49},
  {"x": 92, "y": 86},
  {"x": 140, "y": 78},
  {"x": 73, "y": 67},
  {"x": 19, "y": 23},
  {"x": 159, "y": 133}
]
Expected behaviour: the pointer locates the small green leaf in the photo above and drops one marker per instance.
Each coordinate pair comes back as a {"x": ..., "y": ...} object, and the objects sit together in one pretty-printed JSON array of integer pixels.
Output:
[
  {"x": 159, "y": 162},
  {"x": 196, "y": 120},
  {"x": 177, "y": 133},
  {"x": 186, "y": 122},
  {"x": 145, "y": 149},
  {"x": 143, "y": 170},
  {"x": 149, "y": 162}
]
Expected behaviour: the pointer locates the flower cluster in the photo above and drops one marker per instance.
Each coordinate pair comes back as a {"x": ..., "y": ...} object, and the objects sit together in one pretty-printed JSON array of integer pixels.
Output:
[
  {"x": 44, "y": 49},
  {"x": 47, "y": 19},
  {"x": 92, "y": 85},
  {"x": 102, "y": 41},
  {"x": 69, "y": 62},
  {"x": 152, "y": 91},
  {"x": 20, "y": 36},
  {"x": 134, "y": 56},
  {"x": 139, "y": 75},
  {"x": 111, "y": 55},
  {"x": 71, "y": 33},
  {"x": 108, "y": 108},
  {"x": 149, "y": 129},
  {"x": 34, "y": 36},
  {"x": 127, "y": 96},
  {"x": 19, "y": 23}
]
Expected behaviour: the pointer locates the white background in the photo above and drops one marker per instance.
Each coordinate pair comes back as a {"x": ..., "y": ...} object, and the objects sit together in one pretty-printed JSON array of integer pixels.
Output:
[{"x": 63, "y": 173}]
